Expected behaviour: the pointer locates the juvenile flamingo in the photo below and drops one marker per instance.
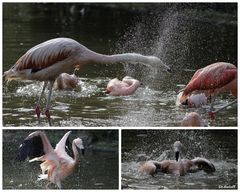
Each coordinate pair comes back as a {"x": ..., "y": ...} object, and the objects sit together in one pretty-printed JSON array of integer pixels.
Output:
[
  {"x": 65, "y": 82},
  {"x": 178, "y": 167},
  {"x": 127, "y": 86},
  {"x": 57, "y": 164},
  {"x": 192, "y": 119},
  {"x": 211, "y": 80},
  {"x": 46, "y": 61}
]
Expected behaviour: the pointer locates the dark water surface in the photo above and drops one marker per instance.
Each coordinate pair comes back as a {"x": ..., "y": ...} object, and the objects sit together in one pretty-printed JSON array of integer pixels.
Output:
[
  {"x": 98, "y": 168},
  {"x": 218, "y": 146},
  {"x": 184, "y": 36}
]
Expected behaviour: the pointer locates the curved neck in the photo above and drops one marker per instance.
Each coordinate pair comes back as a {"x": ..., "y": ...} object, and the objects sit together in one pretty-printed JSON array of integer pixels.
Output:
[{"x": 75, "y": 153}]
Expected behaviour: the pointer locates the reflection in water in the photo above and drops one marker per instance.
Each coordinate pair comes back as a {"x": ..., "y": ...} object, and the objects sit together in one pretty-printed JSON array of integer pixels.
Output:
[
  {"x": 98, "y": 168},
  {"x": 219, "y": 146},
  {"x": 184, "y": 36}
]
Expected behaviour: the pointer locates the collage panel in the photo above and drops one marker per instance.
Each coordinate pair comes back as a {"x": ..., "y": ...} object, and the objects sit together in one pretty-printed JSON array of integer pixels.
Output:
[
  {"x": 135, "y": 70},
  {"x": 82, "y": 159},
  {"x": 179, "y": 159},
  {"x": 119, "y": 64}
]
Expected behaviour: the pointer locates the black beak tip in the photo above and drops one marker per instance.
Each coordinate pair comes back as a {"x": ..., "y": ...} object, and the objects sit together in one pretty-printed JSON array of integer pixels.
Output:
[
  {"x": 185, "y": 102},
  {"x": 107, "y": 92},
  {"x": 169, "y": 70},
  {"x": 83, "y": 151}
]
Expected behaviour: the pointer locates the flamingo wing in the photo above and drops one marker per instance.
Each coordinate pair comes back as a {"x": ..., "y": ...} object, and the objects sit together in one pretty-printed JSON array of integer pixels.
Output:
[
  {"x": 60, "y": 147},
  {"x": 204, "y": 164},
  {"x": 46, "y": 54},
  {"x": 151, "y": 167},
  {"x": 31, "y": 147}
]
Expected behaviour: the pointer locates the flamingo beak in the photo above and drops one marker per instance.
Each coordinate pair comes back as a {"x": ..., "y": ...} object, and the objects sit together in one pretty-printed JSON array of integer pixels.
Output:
[
  {"x": 83, "y": 151},
  {"x": 185, "y": 102},
  {"x": 177, "y": 153},
  {"x": 107, "y": 91},
  {"x": 169, "y": 70}
]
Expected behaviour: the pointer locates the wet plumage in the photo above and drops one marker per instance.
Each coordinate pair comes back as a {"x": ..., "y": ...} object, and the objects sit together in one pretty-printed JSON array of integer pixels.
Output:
[
  {"x": 179, "y": 167},
  {"x": 56, "y": 163}
]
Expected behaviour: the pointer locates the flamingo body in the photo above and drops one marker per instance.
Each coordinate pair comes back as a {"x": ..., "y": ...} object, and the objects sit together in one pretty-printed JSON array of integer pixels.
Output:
[
  {"x": 127, "y": 86},
  {"x": 57, "y": 164},
  {"x": 213, "y": 79}
]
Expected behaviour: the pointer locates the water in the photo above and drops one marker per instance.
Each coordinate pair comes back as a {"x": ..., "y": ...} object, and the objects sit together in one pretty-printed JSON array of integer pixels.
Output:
[
  {"x": 219, "y": 146},
  {"x": 98, "y": 159},
  {"x": 184, "y": 36}
]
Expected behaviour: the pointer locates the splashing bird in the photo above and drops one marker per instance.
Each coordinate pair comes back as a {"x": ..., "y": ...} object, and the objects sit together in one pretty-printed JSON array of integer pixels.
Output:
[
  {"x": 127, "y": 86},
  {"x": 212, "y": 80},
  {"x": 57, "y": 164},
  {"x": 179, "y": 166},
  {"x": 46, "y": 61},
  {"x": 65, "y": 82}
]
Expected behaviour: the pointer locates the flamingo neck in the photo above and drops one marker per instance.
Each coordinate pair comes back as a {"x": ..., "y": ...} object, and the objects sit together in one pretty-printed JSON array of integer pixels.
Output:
[
  {"x": 131, "y": 58},
  {"x": 75, "y": 153}
]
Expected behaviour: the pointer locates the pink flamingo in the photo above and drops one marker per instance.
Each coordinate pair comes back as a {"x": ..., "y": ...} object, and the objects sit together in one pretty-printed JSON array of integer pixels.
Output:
[
  {"x": 212, "y": 80},
  {"x": 178, "y": 167},
  {"x": 57, "y": 164},
  {"x": 65, "y": 82},
  {"x": 46, "y": 61},
  {"x": 127, "y": 86}
]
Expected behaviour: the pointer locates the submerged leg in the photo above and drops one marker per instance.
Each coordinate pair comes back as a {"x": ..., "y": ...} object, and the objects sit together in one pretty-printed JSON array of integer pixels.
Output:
[
  {"x": 47, "y": 112},
  {"x": 37, "y": 109}
]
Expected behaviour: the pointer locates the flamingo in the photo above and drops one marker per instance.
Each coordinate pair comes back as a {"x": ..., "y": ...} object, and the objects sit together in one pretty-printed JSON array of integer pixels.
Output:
[
  {"x": 212, "y": 80},
  {"x": 127, "y": 86},
  {"x": 192, "y": 119},
  {"x": 57, "y": 164},
  {"x": 178, "y": 167},
  {"x": 65, "y": 82},
  {"x": 46, "y": 61}
]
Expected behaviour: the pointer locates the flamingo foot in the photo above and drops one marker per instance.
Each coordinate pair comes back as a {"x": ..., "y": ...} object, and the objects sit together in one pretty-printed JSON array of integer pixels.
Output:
[
  {"x": 211, "y": 115},
  {"x": 38, "y": 111},
  {"x": 47, "y": 113}
]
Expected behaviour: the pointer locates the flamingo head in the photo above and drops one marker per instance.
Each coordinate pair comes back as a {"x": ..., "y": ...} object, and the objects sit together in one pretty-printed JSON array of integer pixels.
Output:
[
  {"x": 181, "y": 99},
  {"x": 78, "y": 142}
]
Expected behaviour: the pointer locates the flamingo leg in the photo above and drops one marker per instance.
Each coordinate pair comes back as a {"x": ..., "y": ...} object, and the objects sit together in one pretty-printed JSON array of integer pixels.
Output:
[
  {"x": 47, "y": 112},
  {"x": 37, "y": 109},
  {"x": 225, "y": 106}
]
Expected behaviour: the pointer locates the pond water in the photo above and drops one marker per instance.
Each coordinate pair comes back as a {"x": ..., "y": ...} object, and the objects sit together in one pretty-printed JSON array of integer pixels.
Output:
[
  {"x": 218, "y": 146},
  {"x": 185, "y": 36},
  {"x": 89, "y": 174}
]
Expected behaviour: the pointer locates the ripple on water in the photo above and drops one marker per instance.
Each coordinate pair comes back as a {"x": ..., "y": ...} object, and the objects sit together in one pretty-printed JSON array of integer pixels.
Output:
[{"x": 147, "y": 107}]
